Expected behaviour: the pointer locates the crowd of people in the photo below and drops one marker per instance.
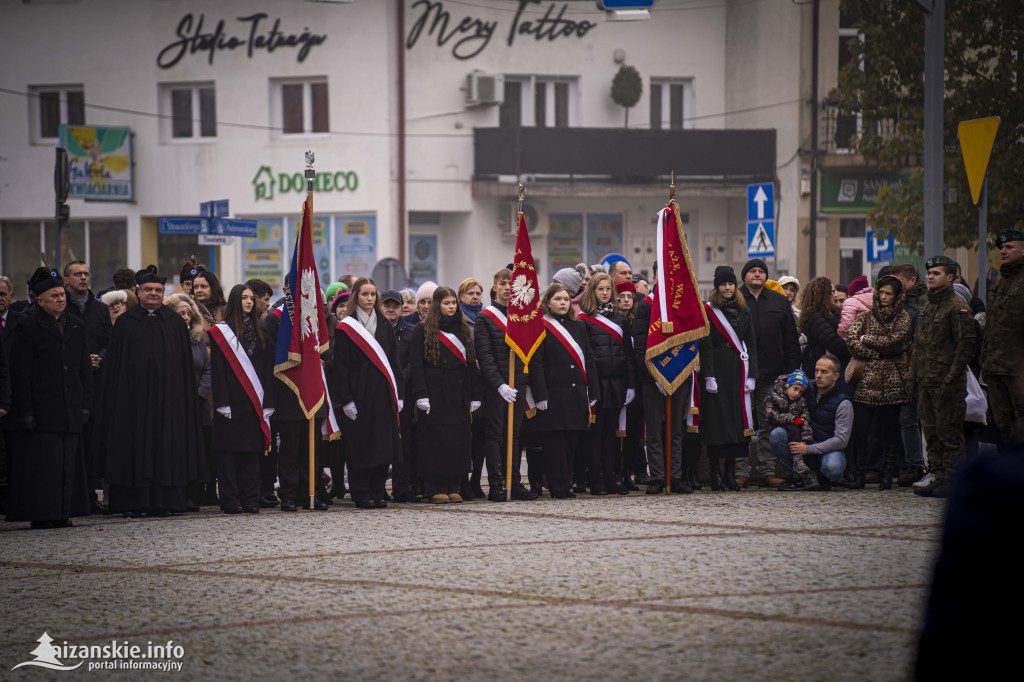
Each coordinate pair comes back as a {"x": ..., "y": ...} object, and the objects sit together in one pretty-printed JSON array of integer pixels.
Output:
[{"x": 169, "y": 401}]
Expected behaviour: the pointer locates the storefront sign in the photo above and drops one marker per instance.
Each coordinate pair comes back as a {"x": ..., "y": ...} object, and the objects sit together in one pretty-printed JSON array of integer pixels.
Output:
[
  {"x": 263, "y": 255},
  {"x": 266, "y": 182},
  {"x": 854, "y": 193},
  {"x": 255, "y": 36},
  {"x": 470, "y": 35},
  {"x": 99, "y": 162},
  {"x": 355, "y": 239}
]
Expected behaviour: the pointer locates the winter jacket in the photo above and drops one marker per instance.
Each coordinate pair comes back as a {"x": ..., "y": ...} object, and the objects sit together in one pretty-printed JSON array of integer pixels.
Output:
[
  {"x": 778, "y": 345},
  {"x": 854, "y": 306},
  {"x": 822, "y": 338},
  {"x": 613, "y": 360},
  {"x": 882, "y": 337},
  {"x": 781, "y": 411}
]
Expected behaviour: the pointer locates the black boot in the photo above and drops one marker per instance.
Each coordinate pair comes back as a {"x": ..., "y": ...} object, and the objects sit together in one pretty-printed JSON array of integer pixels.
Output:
[
  {"x": 714, "y": 467},
  {"x": 729, "y": 474},
  {"x": 885, "y": 482},
  {"x": 859, "y": 481},
  {"x": 692, "y": 464}
]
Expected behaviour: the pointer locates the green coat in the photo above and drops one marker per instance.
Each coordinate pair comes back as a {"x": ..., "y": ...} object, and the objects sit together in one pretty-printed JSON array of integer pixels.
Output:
[
  {"x": 721, "y": 414},
  {"x": 945, "y": 340},
  {"x": 1003, "y": 315}
]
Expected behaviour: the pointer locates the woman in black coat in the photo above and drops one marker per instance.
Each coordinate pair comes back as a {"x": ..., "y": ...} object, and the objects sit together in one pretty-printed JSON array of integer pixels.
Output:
[
  {"x": 819, "y": 321},
  {"x": 565, "y": 386},
  {"x": 367, "y": 385},
  {"x": 442, "y": 366},
  {"x": 612, "y": 346},
  {"x": 241, "y": 431}
]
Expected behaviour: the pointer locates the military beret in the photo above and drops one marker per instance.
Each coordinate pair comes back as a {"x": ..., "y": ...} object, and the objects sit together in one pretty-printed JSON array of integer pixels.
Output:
[
  {"x": 44, "y": 279},
  {"x": 936, "y": 261},
  {"x": 149, "y": 275},
  {"x": 1009, "y": 236}
]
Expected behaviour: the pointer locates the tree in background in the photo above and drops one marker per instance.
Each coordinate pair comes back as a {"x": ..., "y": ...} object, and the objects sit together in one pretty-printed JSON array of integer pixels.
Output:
[
  {"x": 627, "y": 86},
  {"x": 883, "y": 82}
]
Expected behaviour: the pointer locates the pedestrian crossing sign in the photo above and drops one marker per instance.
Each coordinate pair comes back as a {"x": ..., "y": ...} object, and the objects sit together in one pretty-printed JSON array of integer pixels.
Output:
[{"x": 760, "y": 238}]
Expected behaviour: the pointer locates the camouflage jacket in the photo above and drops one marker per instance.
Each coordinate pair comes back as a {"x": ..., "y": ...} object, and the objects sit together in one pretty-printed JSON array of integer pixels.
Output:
[
  {"x": 944, "y": 343},
  {"x": 1005, "y": 312}
]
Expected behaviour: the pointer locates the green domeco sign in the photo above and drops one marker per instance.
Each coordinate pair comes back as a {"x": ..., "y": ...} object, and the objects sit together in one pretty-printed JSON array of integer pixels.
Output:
[{"x": 265, "y": 182}]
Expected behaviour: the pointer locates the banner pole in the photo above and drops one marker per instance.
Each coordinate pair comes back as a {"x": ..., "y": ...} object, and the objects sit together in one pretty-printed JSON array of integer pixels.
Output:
[
  {"x": 668, "y": 443},
  {"x": 310, "y": 175},
  {"x": 511, "y": 422}
]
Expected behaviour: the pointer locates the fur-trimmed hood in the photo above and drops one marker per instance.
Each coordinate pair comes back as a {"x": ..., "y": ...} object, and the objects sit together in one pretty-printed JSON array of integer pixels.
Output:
[{"x": 197, "y": 327}]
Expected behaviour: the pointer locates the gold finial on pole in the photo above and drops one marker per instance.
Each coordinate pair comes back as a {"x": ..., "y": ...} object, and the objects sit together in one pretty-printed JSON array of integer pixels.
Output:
[
  {"x": 522, "y": 194},
  {"x": 672, "y": 188}
]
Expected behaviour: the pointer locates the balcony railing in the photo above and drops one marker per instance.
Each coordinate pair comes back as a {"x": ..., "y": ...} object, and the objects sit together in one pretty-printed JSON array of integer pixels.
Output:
[{"x": 839, "y": 128}]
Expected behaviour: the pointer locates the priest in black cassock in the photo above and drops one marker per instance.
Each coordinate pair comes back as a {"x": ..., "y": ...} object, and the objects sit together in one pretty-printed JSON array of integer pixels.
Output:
[
  {"x": 150, "y": 430},
  {"x": 52, "y": 390}
]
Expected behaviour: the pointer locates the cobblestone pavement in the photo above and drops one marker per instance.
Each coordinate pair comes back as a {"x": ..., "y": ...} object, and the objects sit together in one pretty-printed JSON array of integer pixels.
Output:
[{"x": 757, "y": 585}]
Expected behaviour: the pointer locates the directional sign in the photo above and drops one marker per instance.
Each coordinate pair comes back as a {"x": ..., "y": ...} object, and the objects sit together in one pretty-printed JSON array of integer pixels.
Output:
[
  {"x": 235, "y": 228},
  {"x": 976, "y": 138},
  {"x": 184, "y": 226},
  {"x": 215, "y": 240},
  {"x": 880, "y": 248},
  {"x": 214, "y": 209},
  {"x": 761, "y": 202},
  {"x": 760, "y": 238}
]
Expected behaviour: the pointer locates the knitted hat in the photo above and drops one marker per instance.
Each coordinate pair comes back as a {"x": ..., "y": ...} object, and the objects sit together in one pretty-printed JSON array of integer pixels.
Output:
[
  {"x": 723, "y": 274},
  {"x": 426, "y": 290},
  {"x": 796, "y": 377},
  {"x": 333, "y": 289},
  {"x": 963, "y": 292},
  {"x": 44, "y": 279},
  {"x": 789, "y": 279},
  {"x": 858, "y": 284},
  {"x": 571, "y": 278},
  {"x": 625, "y": 286},
  {"x": 753, "y": 263}
]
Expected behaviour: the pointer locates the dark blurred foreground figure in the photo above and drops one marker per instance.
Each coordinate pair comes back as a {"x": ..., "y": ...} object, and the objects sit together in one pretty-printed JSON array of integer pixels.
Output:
[
  {"x": 969, "y": 625},
  {"x": 52, "y": 381}
]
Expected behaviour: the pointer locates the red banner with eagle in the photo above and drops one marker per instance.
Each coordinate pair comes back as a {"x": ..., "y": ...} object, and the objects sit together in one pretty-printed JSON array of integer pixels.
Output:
[{"x": 525, "y": 328}]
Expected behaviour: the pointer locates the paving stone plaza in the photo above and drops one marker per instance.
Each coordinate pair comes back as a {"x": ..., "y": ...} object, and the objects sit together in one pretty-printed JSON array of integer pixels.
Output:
[{"x": 757, "y": 585}]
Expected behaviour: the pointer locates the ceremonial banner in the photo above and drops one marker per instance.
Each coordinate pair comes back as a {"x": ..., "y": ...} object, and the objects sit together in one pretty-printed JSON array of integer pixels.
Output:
[
  {"x": 525, "y": 328},
  {"x": 302, "y": 335},
  {"x": 677, "y": 313}
]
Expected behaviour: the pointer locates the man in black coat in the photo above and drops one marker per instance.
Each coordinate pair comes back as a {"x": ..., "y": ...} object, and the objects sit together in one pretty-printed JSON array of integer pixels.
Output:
[
  {"x": 8, "y": 321},
  {"x": 150, "y": 431},
  {"x": 52, "y": 384},
  {"x": 778, "y": 352},
  {"x": 492, "y": 354},
  {"x": 405, "y": 480}
]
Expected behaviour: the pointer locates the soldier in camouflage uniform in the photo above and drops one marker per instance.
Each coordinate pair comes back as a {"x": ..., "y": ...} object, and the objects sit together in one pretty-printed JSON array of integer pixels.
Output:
[
  {"x": 1000, "y": 354},
  {"x": 938, "y": 372}
]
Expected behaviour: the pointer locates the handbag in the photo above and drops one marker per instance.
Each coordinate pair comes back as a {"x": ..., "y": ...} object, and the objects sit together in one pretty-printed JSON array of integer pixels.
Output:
[
  {"x": 855, "y": 370},
  {"x": 977, "y": 403}
]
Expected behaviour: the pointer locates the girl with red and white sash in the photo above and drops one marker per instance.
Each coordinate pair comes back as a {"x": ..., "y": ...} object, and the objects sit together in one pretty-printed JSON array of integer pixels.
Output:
[
  {"x": 565, "y": 384},
  {"x": 442, "y": 369},
  {"x": 243, "y": 387},
  {"x": 728, "y": 368},
  {"x": 368, "y": 386},
  {"x": 612, "y": 346}
]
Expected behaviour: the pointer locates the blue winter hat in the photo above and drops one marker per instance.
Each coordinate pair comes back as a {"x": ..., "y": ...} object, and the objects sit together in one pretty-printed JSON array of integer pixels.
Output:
[{"x": 796, "y": 377}]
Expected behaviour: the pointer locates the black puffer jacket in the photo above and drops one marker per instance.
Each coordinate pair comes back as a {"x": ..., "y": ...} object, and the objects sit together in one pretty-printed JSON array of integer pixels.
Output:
[
  {"x": 822, "y": 337},
  {"x": 614, "y": 360},
  {"x": 492, "y": 353}
]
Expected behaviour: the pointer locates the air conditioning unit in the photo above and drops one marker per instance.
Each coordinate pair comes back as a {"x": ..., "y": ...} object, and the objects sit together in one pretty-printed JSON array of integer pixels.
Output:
[
  {"x": 508, "y": 219},
  {"x": 484, "y": 88}
]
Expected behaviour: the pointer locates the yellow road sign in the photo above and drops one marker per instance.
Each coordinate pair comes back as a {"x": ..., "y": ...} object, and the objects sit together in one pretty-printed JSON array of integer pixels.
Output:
[{"x": 976, "y": 138}]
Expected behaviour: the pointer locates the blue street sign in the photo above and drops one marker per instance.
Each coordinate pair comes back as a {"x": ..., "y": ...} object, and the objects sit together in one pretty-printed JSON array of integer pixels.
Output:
[
  {"x": 882, "y": 248},
  {"x": 625, "y": 4},
  {"x": 184, "y": 226},
  {"x": 235, "y": 227},
  {"x": 214, "y": 209},
  {"x": 760, "y": 238},
  {"x": 761, "y": 201},
  {"x": 614, "y": 258}
]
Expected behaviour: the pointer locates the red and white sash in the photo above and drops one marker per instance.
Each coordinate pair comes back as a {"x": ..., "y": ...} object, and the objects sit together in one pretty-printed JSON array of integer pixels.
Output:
[
  {"x": 693, "y": 414},
  {"x": 369, "y": 345},
  {"x": 452, "y": 343},
  {"x": 243, "y": 370},
  {"x": 497, "y": 317},
  {"x": 605, "y": 324},
  {"x": 569, "y": 343},
  {"x": 717, "y": 318}
]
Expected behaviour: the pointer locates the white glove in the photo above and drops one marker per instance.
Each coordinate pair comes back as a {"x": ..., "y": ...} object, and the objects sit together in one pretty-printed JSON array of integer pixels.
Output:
[
  {"x": 710, "y": 385},
  {"x": 474, "y": 405},
  {"x": 542, "y": 405},
  {"x": 401, "y": 404},
  {"x": 507, "y": 393},
  {"x": 268, "y": 412},
  {"x": 350, "y": 410},
  {"x": 593, "y": 402},
  {"x": 630, "y": 396},
  {"x": 660, "y": 389},
  {"x": 424, "y": 404},
  {"x": 750, "y": 385},
  {"x": 224, "y": 412}
]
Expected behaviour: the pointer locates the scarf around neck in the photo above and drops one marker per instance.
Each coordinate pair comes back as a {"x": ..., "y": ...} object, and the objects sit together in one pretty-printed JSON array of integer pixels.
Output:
[{"x": 368, "y": 320}]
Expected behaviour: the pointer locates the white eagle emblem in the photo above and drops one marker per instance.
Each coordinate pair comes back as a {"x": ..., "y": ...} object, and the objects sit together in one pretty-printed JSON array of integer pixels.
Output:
[
  {"x": 307, "y": 303},
  {"x": 522, "y": 292}
]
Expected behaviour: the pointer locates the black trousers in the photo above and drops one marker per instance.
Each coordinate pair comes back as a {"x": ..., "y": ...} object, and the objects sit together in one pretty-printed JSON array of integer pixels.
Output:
[
  {"x": 602, "y": 448},
  {"x": 239, "y": 479},
  {"x": 293, "y": 460},
  {"x": 405, "y": 475},
  {"x": 368, "y": 484},
  {"x": 441, "y": 485},
  {"x": 495, "y": 444},
  {"x": 559, "y": 447},
  {"x": 876, "y": 437}
]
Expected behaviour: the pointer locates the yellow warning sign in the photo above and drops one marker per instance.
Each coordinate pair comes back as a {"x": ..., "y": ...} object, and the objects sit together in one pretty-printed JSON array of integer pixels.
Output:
[{"x": 976, "y": 138}]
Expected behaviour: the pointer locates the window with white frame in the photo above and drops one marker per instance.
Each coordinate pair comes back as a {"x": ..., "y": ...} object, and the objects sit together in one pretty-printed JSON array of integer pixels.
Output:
[
  {"x": 188, "y": 111},
  {"x": 299, "y": 106},
  {"x": 672, "y": 104},
  {"x": 541, "y": 101},
  {"x": 52, "y": 105},
  {"x": 848, "y": 125}
]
